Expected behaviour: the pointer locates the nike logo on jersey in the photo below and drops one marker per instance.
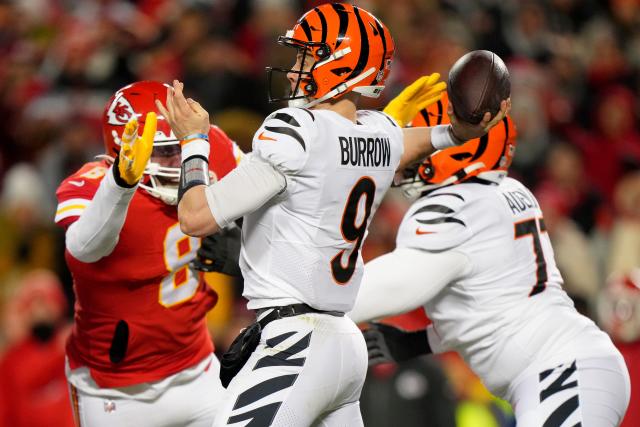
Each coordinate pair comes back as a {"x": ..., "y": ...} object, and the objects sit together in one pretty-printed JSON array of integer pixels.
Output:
[
  {"x": 420, "y": 232},
  {"x": 77, "y": 183},
  {"x": 262, "y": 137}
]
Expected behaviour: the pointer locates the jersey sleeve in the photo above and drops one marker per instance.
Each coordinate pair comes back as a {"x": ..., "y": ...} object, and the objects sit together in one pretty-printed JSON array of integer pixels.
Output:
[
  {"x": 412, "y": 276},
  {"x": 284, "y": 137},
  {"x": 76, "y": 192},
  {"x": 437, "y": 222}
]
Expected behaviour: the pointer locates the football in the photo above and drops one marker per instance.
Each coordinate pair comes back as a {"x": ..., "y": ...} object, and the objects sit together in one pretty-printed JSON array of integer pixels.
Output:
[{"x": 478, "y": 81}]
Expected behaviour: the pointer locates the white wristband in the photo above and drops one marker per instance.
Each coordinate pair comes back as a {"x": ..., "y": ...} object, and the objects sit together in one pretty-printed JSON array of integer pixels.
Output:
[
  {"x": 195, "y": 147},
  {"x": 442, "y": 137}
]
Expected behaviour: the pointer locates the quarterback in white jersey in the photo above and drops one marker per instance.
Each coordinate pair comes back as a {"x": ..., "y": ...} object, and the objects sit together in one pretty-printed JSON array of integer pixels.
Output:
[
  {"x": 307, "y": 193},
  {"x": 473, "y": 250},
  {"x": 337, "y": 175}
]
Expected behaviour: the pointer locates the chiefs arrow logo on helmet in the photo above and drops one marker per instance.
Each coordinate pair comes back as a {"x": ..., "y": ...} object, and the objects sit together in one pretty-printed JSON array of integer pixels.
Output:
[{"x": 120, "y": 111}]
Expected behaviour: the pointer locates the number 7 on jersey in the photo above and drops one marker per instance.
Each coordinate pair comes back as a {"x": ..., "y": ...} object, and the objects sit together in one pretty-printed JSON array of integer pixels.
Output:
[{"x": 530, "y": 227}]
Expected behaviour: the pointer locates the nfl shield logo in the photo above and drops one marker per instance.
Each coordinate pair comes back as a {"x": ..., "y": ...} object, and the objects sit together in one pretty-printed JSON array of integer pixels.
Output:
[{"x": 109, "y": 406}]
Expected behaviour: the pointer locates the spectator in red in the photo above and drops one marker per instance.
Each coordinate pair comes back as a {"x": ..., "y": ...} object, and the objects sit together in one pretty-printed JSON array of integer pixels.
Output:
[
  {"x": 612, "y": 146},
  {"x": 33, "y": 387}
]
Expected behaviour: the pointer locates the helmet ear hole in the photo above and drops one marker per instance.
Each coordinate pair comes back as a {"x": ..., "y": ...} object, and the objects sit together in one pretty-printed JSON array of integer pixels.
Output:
[
  {"x": 426, "y": 171},
  {"x": 322, "y": 52},
  {"x": 310, "y": 87}
]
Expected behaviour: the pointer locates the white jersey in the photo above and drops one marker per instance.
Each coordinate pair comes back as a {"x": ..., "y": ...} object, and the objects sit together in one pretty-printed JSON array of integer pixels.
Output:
[
  {"x": 507, "y": 311},
  {"x": 303, "y": 246}
]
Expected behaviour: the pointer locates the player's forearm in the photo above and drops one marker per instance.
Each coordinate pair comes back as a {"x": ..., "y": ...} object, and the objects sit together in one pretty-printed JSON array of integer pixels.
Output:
[
  {"x": 404, "y": 280},
  {"x": 204, "y": 210},
  {"x": 417, "y": 146},
  {"x": 419, "y": 142},
  {"x": 95, "y": 234},
  {"x": 194, "y": 213}
]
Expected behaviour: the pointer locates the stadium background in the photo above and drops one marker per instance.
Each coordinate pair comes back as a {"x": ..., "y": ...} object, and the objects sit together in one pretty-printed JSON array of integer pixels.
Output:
[{"x": 575, "y": 71}]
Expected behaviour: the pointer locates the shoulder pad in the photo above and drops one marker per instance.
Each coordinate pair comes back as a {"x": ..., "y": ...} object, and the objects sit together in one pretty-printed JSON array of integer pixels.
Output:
[
  {"x": 283, "y": 138},
  {"x": 436, "y": 222},
  {"x": 77, "y": 191}
]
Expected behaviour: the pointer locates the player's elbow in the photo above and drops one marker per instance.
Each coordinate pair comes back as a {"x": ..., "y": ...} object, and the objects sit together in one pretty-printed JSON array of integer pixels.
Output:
[
  {"x": 187, "y": 222},
  {"x": 194, "y": 223},
  {"x": 88, "y": 249}
]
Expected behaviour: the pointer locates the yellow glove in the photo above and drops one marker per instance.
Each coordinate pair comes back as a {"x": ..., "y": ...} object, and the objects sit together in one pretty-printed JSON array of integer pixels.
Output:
[
  {"x": 136, "y": 150},
  {"x": 418, "y": 95}
]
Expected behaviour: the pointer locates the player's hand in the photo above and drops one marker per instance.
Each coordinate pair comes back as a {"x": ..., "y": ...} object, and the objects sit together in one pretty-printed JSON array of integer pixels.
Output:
[
  {"x": 185, "y": 116},
  {"x": 135, "y": 150},
  {"x": 220, "y": 252},
  {"x": 464, "y": 131},
  {"x": 387, "y": 343},
  {"x": 418, "y": 95}
]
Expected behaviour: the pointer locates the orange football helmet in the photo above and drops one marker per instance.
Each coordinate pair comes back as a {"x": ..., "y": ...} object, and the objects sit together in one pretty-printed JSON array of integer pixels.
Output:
[
  {"x": 486, "y": 159},
  {"x": 351, "y": 50}
]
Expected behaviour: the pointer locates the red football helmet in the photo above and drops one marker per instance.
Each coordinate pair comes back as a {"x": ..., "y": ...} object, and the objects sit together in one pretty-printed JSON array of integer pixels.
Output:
[
  {"x": 136, "y": 100},
  {"x": 351, "y": 50}
]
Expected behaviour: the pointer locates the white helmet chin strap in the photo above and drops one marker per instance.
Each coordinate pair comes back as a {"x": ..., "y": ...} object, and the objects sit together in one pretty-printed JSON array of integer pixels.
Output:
[{"x": 299, "y": 102}]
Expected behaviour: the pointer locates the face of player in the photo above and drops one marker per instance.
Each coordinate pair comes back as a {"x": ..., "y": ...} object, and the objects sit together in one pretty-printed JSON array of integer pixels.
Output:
[
  {"x": 304, "y": 64},
  {"x": 167, "y": 156}
]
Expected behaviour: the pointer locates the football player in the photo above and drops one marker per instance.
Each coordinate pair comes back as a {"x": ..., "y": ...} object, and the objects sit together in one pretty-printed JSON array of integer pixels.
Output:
[
  {"x": 140, "y": 352},
  {"x": 473, "y": 250},
  {"x": 316, "y": 175}
]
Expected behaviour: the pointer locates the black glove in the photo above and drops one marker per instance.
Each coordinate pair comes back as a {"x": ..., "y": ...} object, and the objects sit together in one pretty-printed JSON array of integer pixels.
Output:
[
  {"x": 239, "y": 352},
  {"x": 220, "y": 252},
  {"x": 389, "y": 344}
]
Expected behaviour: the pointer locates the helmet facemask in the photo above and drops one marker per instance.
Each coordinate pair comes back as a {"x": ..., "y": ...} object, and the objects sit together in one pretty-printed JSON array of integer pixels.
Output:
[
  {"x": 161, "y": 176},
  {"x": 301, "y": 95},
  {"x": 163, "y": 170}
]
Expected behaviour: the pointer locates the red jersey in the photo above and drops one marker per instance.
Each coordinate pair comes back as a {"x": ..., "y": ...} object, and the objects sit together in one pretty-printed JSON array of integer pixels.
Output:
[{"x": 145, "y": 289}]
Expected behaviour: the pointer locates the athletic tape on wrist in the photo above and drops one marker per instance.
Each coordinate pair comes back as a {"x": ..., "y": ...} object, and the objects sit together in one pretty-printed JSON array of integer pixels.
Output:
[
  {"x": 194, "y": 171},
  {"x": 196, "y": 136},
  {"x": 194, "y": 147},
  {"x": 442, "y": 137}
]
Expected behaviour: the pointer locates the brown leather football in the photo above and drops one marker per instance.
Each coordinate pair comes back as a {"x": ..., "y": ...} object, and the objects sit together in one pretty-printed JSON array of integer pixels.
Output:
[{"x": 478, "y": 81}]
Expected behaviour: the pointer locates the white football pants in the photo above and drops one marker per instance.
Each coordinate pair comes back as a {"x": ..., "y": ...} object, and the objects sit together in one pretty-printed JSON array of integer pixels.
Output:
[
  {"x": 589, "y": 392},
  {"x": 308, "y": 370},
  {"x": 172, "y": 402}
]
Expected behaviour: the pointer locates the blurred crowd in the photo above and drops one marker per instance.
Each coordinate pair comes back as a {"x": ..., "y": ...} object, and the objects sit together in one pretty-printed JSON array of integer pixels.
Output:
[{"x": 575, "y": 73}]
